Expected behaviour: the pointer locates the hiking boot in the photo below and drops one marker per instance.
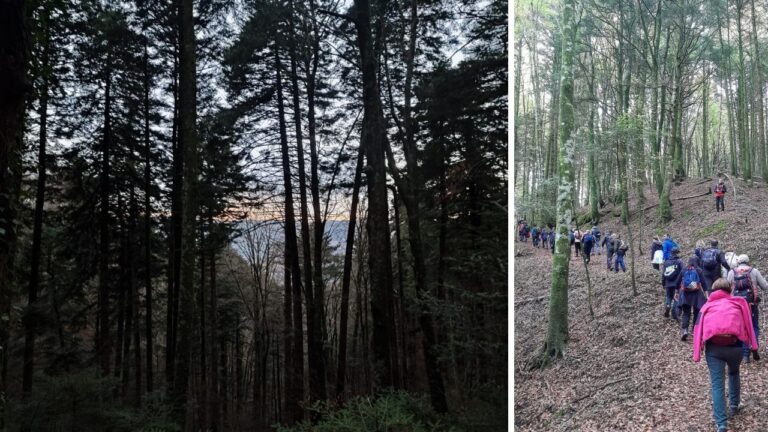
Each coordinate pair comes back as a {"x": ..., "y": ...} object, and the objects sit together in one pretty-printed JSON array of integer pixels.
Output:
[
  {"x": 755, "y": 355},
  {"x": 684, "y": 335},
  {"x": 745, "y": 359},
  {"x": 722, "y": 429},
  {"x": 733, "y": 412},
  {"x": 666, "y": 312}
]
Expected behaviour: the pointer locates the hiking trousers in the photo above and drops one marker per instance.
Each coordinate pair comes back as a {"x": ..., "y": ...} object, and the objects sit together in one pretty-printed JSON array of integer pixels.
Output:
[
  {"x": 687, "y": 309},
  {"x": 619, "y": 262},
  {"x": 718, "y": 357},
  {"x": 609, "y": 258},
  {"x": 670, "y": 296},
  {"x": 720, "y": 203},
  {"x": 708, "y": 280},
  {"x": 756, "y": 326}
]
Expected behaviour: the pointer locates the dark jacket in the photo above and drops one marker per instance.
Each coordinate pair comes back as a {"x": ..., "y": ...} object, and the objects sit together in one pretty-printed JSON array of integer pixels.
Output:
[
  {"x": 721, "y": 261},
  {"x": 655, "y": 245},
  {"x": 672, "y": 273},
  {"x": 608, "y": 243},
  {"x": 621, "y": 248}
]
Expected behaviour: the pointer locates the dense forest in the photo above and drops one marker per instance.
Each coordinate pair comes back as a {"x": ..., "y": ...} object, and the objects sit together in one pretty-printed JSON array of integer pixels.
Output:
[
  {"x": 617, "y": 102},
  {"x": 226, "y": 215}
]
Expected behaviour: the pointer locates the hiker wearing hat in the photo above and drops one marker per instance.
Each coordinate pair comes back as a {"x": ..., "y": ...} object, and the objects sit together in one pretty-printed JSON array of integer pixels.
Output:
[
  {"x": 671, "y": 278},
  {"x": 711, "y": 262},
  {"x": 745, "y": 281},
  {"x": 720, "y": 191},
  {"x": 691, "y": 296}
]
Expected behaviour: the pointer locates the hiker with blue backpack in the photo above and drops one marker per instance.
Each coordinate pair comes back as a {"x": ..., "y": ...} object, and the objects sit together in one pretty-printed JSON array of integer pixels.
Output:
[
  {"x": 745, "y": 281},
  {"x": 711, "y": 262},
  {"x": 596, "y": 234},
  {"x": 671, "y": 278},
  {"x": 586, "y": 244},
  {"x": 552, "y": 237},
  {"x": 667, "y": 245},
  {"x": 544, "y": 236},
  {"x": 691, "y": 296},
  {"x": 535, "y": 236}
]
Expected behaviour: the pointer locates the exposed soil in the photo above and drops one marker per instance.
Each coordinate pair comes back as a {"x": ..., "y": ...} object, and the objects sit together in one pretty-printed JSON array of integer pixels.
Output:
[{"x": 627, "y": 368}]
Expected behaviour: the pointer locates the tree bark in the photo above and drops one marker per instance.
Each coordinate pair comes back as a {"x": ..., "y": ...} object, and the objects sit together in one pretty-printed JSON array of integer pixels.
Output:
[
  {"x": 37, "y": 230},
  {"x": 294, "y": 394},
  {"x": 346, "y": 278},
  {"x": 148, "y": 226},
  {"x": 557, "y": 333},
  {"x": 104, "y": 345},
  {"x": 14, "y": 40},
  {"x": 379, "y": 253},
  {"x": 187, "y": 341}
]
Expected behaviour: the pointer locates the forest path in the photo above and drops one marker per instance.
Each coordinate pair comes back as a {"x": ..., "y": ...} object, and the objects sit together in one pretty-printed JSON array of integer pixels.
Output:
[{"x": 627, "y": 368}]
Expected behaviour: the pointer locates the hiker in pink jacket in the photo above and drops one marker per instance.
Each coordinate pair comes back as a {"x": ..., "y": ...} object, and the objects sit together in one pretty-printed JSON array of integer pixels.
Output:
[{"x": 724, "y": 326}]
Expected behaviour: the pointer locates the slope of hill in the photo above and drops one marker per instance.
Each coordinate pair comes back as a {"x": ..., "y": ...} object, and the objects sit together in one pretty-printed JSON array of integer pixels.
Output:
[{"x": 627, "y": 368}]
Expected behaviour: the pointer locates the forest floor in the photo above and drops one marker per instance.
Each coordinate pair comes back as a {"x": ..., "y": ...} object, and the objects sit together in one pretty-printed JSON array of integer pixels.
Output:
[{"x": 627, "y": 368}]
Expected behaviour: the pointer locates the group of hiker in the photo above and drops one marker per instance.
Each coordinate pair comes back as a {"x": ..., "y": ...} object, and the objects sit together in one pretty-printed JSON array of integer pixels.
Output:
[
  {"x": 541, "y": 237},
  {"x": 585, "y": 243},
  {"x": 721, "y": 297}
]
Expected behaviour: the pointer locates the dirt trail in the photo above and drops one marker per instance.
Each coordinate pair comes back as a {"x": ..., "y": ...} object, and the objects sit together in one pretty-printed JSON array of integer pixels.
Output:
[{"x": 628, "y": 369}]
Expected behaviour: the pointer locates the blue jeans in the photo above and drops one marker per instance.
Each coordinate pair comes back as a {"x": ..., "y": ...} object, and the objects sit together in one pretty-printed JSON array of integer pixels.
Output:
[
  {"x": 718, "y": 357},
  {"x": 755, "y": 326},
  {"x": 670, "y": 296},
  {"x": 619, "y": 261}
]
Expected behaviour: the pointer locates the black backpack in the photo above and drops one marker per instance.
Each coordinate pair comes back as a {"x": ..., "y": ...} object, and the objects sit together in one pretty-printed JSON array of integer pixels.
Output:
[
  {"x": 672, "y": 269},
  {"x": 742, "y": 285},
  {"x": 709, "y": 259}
]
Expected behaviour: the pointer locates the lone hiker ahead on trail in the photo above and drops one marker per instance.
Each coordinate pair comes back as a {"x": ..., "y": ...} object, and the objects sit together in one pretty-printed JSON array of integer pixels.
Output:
[{"x": 720, "y": 191}]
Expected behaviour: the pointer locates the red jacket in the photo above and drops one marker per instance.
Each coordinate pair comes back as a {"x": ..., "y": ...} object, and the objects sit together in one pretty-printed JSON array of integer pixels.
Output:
[
  {"x": 720, "y": 190},
  {"x": 723, "y": 314}
]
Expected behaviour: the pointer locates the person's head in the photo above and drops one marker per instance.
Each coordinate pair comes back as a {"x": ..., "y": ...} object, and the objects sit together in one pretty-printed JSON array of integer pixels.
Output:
[
  {"x": 713, "y": 243},
  {"x": 742, "y": 260},
  {"x": 720, "y": 181},
  {"x": 675, "y": 252},
  {"x": 721, "y": 284},
  {"x": 700, "y": 244},
  {"x": 692, "y": 261},
  {"x": 655, "y": 238}
]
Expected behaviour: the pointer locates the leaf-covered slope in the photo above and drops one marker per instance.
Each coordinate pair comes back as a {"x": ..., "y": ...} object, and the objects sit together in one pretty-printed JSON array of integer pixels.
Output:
[{"x": 627, "y": 369}]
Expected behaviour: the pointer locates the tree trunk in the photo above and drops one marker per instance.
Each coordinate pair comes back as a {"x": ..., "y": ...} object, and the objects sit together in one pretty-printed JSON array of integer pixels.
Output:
[
  {"x": 14, "y": 38},
  {"x": 314, "y": 334},
  {"x": 744, "y": 145},
  {"x": 373, "y": 140},
  {"x": 347, "y": 276},
  {"x": 187, "y": 341},
  {"x": 148, "y": 226},
  {"x": 37, "y": 230},
  {"x": 294, "y": 394},
  {"x": 557, "y": 333},
  {"x": 757, "y": 76},
  {"x": 174, "y": 243},
  {"x": 104, "y": 345}
]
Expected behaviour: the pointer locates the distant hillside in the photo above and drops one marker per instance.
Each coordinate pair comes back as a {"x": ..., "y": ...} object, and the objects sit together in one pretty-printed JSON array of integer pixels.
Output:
[{"x": 335, "y": 230}]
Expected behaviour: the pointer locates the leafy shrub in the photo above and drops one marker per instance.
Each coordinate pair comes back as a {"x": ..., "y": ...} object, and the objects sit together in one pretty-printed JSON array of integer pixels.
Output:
[
  {"x": 389, "y": 412},
  {"x": 85, "y": 401}
]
